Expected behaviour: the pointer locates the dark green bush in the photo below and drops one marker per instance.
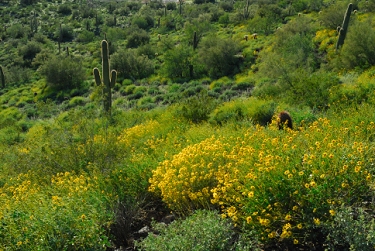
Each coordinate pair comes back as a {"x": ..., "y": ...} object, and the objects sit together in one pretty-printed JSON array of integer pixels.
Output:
[
  {"x": 130, "y": 65},
  {"x": 171, "y": 6},
  {"x": 64, "y": 9},
  {"x": 358, "y": 49},
  {"x": 85, "y": 36},
  {"x": 177, "y": 62},
  {"x": 219, "y": 56},
  {"x": 16, "y": 31},
  {"x": 63, "y": 72},
  {"x": 29, "y": 51},
  {"x": 64, "y": 34},
  {"x": 137, "y": 37},
  {"x": 197, "y": 108},
  {"x": 333, "y": 15},
  {"x": 353, "y": 228}
]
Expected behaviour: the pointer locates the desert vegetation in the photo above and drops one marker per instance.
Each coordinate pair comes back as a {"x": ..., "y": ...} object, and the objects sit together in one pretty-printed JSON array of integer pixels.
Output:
[{"x": 151, "y": 125}]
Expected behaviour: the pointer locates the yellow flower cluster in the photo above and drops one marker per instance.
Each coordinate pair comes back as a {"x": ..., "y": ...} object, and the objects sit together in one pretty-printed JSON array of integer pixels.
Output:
[
  {"x": 277, "y": 182},
  {"x": 184, "y": 182},
  {"x": 129, "y": 135}
]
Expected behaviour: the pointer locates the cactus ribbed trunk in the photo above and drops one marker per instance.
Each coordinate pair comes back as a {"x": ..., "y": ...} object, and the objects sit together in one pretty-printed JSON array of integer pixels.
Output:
[
  {"x": 108, "y": 78},
  {"x": 2, "y": 77},
  {"x": 344, "y": 27}
]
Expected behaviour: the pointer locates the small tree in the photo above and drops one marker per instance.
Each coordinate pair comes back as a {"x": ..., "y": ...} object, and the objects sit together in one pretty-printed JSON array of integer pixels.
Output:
[
  {"x": 63, "y": 72},
  {"x": 219, "y": 56},
  {"x": 131, "y": 65}
]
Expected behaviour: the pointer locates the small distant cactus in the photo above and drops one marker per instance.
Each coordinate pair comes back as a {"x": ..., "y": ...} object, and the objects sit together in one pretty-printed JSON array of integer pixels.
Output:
[
  {"x": 108, "y": 78},
  {"x": 344, "y": 27},
  {"x": 2, "y": 77},
  {"x": 195, "y": 40},
  {"x": 34, "y": 23}
]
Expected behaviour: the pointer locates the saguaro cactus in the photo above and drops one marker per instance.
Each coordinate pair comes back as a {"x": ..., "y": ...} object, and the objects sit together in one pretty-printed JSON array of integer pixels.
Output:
[
  {"x": 108, "y": 78},
  {"x": 2, "y": 77},
  {"x": 344, "y": 27}
]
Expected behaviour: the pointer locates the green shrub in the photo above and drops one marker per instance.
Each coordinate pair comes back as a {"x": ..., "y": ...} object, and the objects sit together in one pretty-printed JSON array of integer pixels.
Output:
[
  {"x": 85, "y": 36},
  {"x": 29, "y": 51},
  {"x": 77, "y": 101},
  {"x": 219, "y": 56},
  {"x": 64, "y": 33},
  {"x": 358, "y": 49},
  {"x": 352, "y": 228},
  {"x": 63, "y": 72},
  {"x": 130, "y": 65},
  {"x": 204, "y": 230},
  {"x": 171, "y": 6},
  {"x": 64, "y": 9},
  {"x": 256, "y": 110},
  {"x": 16, "y": 31},
  {"x": 137, "y": 37},
  {"x": 197, "y": 108}
]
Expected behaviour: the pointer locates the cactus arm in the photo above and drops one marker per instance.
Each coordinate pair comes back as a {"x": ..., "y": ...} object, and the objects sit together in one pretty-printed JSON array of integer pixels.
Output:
[
  {"x": 113, "y": 78},
  {"x": 98, "y": 80}
]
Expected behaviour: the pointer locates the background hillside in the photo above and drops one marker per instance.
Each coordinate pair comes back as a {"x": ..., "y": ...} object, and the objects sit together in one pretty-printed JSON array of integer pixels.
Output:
[{"x": 187, "y": 129}]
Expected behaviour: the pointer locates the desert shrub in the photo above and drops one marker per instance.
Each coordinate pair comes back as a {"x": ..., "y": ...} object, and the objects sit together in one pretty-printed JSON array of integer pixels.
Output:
[
  {"x": 130, "y": 65},
  {"x": 137, "y": 37},
  {"x": 85, "y": 36},
  {"x": 219, "y": 56},
  {"x": 311, "y": 90},
  {"x": 114, "y": 34},
  {"x": 17, "y": 75},
  {"x": 266, "y": 20},
  {"x": 16, "y": 31},
  {"x": 357, "y": 92},
  {"x": 358, "y": 50},
  {"x": 256, "y": 110},
  {"x": 197, "y": 107},
  {"x": 77, "y": 101},
  {"x": 64, "y": 33},
  {"x": 143, "y": 22},
  {"x": 208, "y": 230},
  {"x": 280, "y": 184},
  {"x": 28, "y": 2},
  {"x": 133, "y": 6},
  {"x": 58, "y": 221},
  {"x": 226, "y": 6},
  {"x": 64, "y": 9},
  {"x": 352, "y": 228},
  {"x": 171, "y": 6},
  {"x": 63, "y": 72},
  {"x": 29, "y": 51},
  {"x": 333, "y": 15},
  {"x": 177, "y": 62}
]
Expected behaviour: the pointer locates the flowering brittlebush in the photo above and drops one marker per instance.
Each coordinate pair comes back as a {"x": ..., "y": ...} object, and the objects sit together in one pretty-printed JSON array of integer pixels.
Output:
[{"x": 276, "y": 182}]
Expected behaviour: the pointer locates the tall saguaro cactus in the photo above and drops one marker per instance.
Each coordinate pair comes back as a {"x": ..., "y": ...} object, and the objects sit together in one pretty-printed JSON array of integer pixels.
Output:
[
  {"x": 2, "y": 77},
  {"x": 108, "y": 78},
  {"x": 344, "y": 27}
]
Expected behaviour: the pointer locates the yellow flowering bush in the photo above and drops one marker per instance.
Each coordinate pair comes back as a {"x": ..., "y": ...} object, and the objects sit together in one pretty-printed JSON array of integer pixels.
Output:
[
  {"x": 68, "y": 213},
  {"x": 281, "y": 183},
  {"x": 184, "y": 182}
]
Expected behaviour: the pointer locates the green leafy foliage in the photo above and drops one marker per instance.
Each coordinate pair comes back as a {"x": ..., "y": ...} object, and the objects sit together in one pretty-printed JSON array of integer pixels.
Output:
[
  {"x": 219, "y": 56},
  {"x": 131, "y": 65},
  {"x": 63, "y": 72},
  {"x": 206, "y": 228}
]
